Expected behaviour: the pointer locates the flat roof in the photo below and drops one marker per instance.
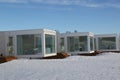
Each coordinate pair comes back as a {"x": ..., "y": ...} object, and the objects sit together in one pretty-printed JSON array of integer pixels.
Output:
[
  {"x": 28, "y": 30},
  {"x": 76, "y": 33}
]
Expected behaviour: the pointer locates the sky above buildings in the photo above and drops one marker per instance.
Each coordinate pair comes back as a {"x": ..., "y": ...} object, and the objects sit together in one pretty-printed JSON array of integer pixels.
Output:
[{"x": 97, "y": 16}]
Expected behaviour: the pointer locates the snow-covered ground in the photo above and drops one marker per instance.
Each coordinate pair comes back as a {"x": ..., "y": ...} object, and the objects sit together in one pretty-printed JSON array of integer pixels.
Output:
[{"x": 101, "y": 67}]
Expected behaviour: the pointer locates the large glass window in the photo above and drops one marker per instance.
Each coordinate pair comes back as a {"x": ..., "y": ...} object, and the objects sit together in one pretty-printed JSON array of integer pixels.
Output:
[
  {"x": 29, "y": 44},
  {"x": 77, "y": 43},
  {"x": 70, "y": 44},
  {"x": 49, "y": 43},
  {"x": 62, "y": 44},
  {"x": 83, "y": 43},
  {"x": 106, "y": 43},
  {"x": 91, "y": 43},
  {"x": 38, "y": 44}
]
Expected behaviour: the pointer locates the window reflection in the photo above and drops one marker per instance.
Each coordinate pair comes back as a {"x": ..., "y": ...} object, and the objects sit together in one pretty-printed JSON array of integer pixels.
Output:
[
  {"x": 107, "y": 43},
  {"x": 77, "y": 43},
  {"x": 49, "y": 43},
  {"x": 29, "y": 44}
]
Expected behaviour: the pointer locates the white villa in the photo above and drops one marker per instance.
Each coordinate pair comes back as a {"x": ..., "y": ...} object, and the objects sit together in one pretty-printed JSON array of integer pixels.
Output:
[
  {"x": 28, "y": 43},
  {"x": 44, "y": 42},
  {"x": 107, "y": 42},
  {"x": 76, "y": 42}
]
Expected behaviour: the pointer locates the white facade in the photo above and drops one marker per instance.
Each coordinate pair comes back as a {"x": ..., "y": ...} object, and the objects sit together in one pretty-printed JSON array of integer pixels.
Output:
[
  {"x": 107, "y": 42},
  {"x": 29, "y": 41},
  {"x": 76, "y": 43}
]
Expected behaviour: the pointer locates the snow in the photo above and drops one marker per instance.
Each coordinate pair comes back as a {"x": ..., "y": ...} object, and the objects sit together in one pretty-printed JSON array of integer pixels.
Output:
[{"x": 102, "y": 67}]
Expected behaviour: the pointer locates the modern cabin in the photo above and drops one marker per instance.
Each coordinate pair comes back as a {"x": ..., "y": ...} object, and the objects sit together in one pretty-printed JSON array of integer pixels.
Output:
[
  {"x": 76, "y": 42},
  {"x": 28, "y": 43},
  {"x": 107, "y": 42}
]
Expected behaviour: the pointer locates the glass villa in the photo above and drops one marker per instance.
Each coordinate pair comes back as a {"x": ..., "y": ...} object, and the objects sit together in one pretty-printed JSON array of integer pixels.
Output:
[
  {"x": 107, "y": 42},
  {"x": 76, "y": 43},
  {"x": 29, "y": 43}
]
